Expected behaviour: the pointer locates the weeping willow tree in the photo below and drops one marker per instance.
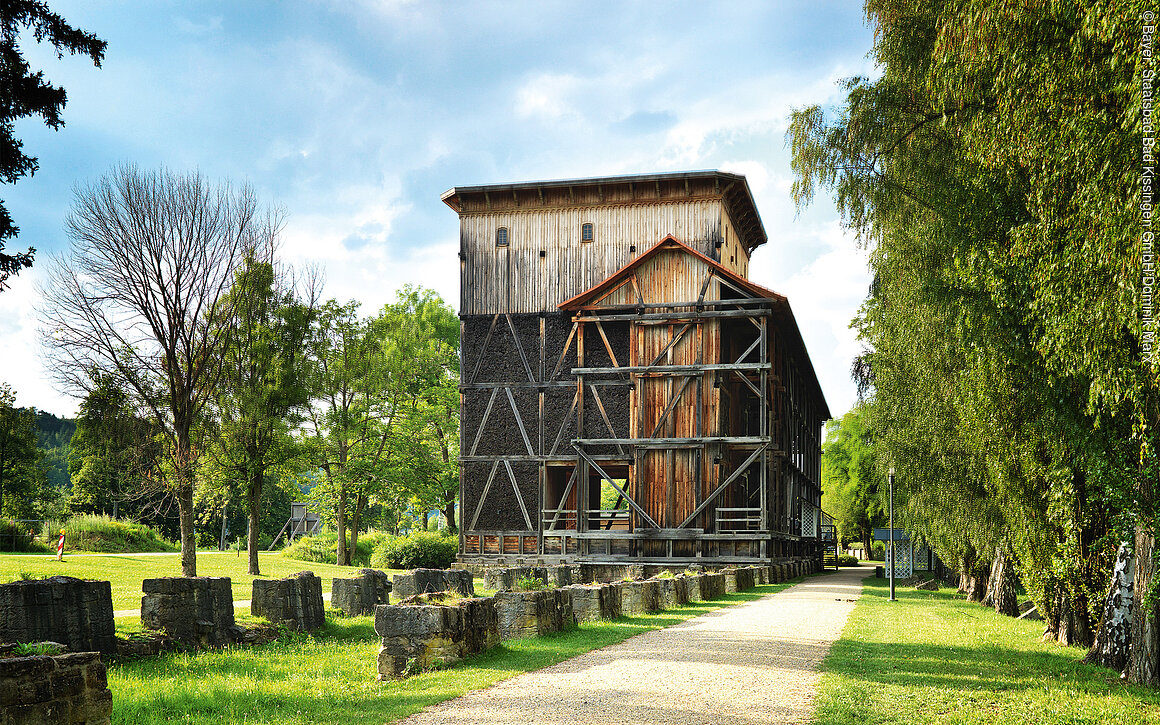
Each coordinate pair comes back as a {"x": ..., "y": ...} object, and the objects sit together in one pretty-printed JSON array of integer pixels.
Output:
[{"x": 991, "y": 170}]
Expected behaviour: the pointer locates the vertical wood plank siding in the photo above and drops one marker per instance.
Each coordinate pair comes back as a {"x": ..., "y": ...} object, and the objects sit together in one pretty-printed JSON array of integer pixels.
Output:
[{"x": 517, "y": 279}]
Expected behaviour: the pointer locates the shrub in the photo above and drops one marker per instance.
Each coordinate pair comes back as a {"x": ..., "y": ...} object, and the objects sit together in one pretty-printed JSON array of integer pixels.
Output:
[
  {"x": 321, "y": 548},
  {"x": 847, "y": 560},
  {"x": 419, "y": 550},
  {"x": 31, "y": 649},
  {"x": 96, "y": 532},
  {"x": 530, "y": 583},
  {"x": 16, "y": 537},
  {"x": 878, "y": 551}
]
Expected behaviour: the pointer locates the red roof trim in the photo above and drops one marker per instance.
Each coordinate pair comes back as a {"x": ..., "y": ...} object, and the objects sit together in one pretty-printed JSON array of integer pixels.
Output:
[{"x": 669, "y": 242}]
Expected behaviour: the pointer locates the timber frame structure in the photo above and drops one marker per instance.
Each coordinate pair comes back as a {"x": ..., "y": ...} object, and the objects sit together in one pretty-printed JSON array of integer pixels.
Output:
[{"x": 665, "y": 412}]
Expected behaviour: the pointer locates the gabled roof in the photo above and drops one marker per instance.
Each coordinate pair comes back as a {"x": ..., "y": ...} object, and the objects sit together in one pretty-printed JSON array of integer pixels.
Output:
[
  {"x": 782, "y": 310},
  {"x": 668, "y": 243}
]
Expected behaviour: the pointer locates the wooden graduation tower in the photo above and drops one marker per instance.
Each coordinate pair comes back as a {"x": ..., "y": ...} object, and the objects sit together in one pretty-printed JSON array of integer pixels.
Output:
[{"x": 627, "y": 394}]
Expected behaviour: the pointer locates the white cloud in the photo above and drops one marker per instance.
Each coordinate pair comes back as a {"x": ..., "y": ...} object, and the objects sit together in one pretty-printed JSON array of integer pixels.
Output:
[
  {"x": 825, "y": 296},
  {"x": 20, "y": 350}
]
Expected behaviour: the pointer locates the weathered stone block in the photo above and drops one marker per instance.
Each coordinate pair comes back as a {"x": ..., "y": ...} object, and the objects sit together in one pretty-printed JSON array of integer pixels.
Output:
[
  {"x": 593, "y": 602},
  {"x": 423, "y": 581},
  {"x": 418, "y": 637},
  {"x": 693, "y": 587},
  {"x": 530, "y": 614},
  {"x": 746, "y": 578},
  {"x": 295, "y": 602},
  {"x": 562, "y": 576},
  {"x": 54, "y": 689},
  {"x": 507, "y": 579},
  {"x": 666, "y": 593},
  {"x": 75, "y": 612},
  {"x": 591, "y": 573},
  {"x": 358, "y": 596},
  {"x": 193, "y": 610},
  {"x": 712, "y": 586}
]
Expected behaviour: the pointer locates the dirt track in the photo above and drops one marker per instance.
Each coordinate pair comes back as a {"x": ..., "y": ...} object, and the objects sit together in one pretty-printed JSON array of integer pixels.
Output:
[{"x": 748, "y": 663}]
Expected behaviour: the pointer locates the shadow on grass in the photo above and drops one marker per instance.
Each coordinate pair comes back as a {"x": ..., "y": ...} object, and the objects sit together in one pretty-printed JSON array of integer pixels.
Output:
[
  {"x": 330, "y": 676},
  {"x": 960, "y": 647}
]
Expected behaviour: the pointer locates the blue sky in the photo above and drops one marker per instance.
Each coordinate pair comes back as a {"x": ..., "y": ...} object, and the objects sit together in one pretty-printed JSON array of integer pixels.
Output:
[{"x": 353, "y": 117}]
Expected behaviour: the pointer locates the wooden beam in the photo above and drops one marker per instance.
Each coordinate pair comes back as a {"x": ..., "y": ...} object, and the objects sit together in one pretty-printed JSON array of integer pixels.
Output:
[
  {"x": 483, "y": 496},
  {"x": 693, "y": 369},
  {"x": 520, "y": 349},
  {"x": 564, "y": 354},
  {"x": 604, "y": 415},
  {"x": 612, "y": 482},
  {"x": 738, "y": 441},
  {"x": 674, "y": 315},
  {"x": 483, "y": 421},
  {"x": 519, "y": 421},
  {"x": 766, "y": 302},
  {"x": 671, "y": 343},
  {"x": 564, "y": 498},
  {"x": 607, "y": 344},
  {"x": 671, "y": 406},
  {"x": 483, "y": 350},
  {"x": 721, "y": 489},
  {"x": 519, "y": 496},
  {"x": 564, "y": 422}
]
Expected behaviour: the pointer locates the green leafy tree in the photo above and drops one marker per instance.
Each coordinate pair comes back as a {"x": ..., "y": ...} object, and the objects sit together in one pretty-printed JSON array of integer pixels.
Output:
[
  {"x": 990, "y": 169},
  {"x": 344, "y": 432},
  {"x": 21, "y": 473},
  {"x": 114, "y": 455},
  {"x": 421, "y": 351},
  {"x": 851, "y": 478},
  {"x": 24, "y": 93},
  {"x": 263, "y": 391}
]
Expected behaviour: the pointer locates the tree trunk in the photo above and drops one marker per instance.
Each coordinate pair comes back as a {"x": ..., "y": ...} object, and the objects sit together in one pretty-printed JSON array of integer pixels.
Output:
[
  {"x": 1001, "y": 585},
  {"x": 360, "y": 502},
  {"x": 1110, "y": 648},
  {"x": 184, "y": 493},
  {"x": 449, "y": 514},
  {"x": 185, "y": 517},
  {"x": 1071, "y": 620},
  {"x": 973, "y": 579},
  {"x": 1144, "y": 648},
  {"x": 253, "y": 501},
  {"x": 340, "y": 515},
  {"x": 867, "y": 549}
]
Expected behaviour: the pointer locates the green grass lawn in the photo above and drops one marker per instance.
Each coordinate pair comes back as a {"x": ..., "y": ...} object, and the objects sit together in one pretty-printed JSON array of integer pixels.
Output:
[
  {"x": 329, "y": 677},
  {"x": 125, "y": 572},
  {"x": 934, "y": 657}
]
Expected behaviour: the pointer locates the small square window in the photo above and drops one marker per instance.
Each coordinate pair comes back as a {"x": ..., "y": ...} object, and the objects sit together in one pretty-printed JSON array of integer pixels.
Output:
[
  {"x": 501, "y": 237},
  {"x": 587, "y": 232}
]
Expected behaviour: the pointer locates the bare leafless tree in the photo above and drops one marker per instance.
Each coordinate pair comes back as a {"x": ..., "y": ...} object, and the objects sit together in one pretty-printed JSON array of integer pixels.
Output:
[{"x": 154, "y": 254}]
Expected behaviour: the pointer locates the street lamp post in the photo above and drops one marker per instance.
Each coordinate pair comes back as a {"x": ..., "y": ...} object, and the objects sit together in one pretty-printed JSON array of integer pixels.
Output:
[{"x": 890, "y": 486}]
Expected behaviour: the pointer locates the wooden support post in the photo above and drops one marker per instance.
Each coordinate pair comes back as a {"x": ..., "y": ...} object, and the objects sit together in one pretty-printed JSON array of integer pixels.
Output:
[{"x": 581, "y": 462}]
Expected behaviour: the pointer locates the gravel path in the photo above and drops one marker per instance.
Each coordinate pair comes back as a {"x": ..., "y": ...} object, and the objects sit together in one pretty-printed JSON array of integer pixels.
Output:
[{"x": 747, "y": 663}]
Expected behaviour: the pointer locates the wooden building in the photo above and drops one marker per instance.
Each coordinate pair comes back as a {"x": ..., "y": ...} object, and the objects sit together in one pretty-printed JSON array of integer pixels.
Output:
[{"x": 627, "y": 394}]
